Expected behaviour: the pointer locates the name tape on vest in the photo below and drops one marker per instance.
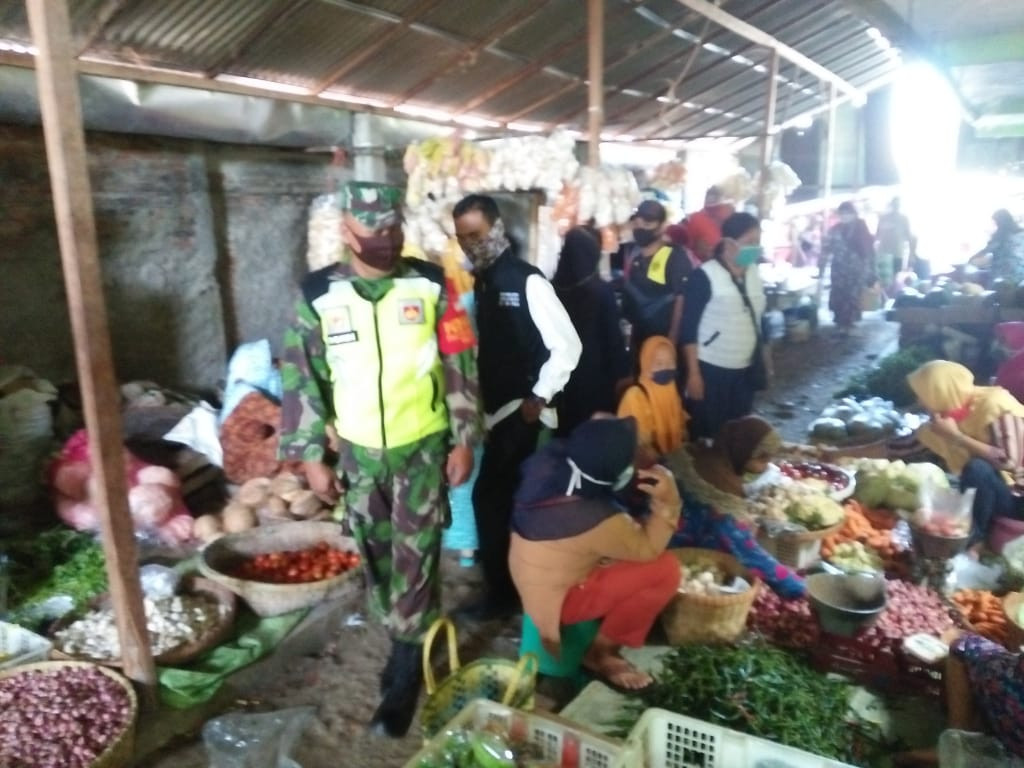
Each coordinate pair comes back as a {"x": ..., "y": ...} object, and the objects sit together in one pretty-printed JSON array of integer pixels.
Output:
[{"x": 508, "y": 299}]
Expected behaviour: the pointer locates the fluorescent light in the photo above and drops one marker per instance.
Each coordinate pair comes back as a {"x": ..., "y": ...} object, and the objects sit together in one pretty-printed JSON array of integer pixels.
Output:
[
  {"x": 15, "y": 47},
  {"x": 526, "y": 127},
  {"x": 666, "y": 100},
  {"x": 425, "y": 112},
  {"x": 264, "y": 85},
  {"x": 474, "y": 121},
  {"x": 352, "y": 98}
]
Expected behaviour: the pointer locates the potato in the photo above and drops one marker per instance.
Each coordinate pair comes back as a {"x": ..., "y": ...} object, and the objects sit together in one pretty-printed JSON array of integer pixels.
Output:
[
  {"x": 277, "y": 507},
  {"x": 305, "y": 505},
  {"x": 254, "y": 492},
  {"x": 207, "y": 528},
  {"x": 284, "y": 484},
  {"x": 237, "y": 517}
]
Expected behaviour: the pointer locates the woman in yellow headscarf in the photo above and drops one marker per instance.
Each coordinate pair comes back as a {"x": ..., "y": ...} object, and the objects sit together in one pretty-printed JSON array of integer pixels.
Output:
[
  {"x": 654, "y": 400},
  {"x": 976, "y": 431}
]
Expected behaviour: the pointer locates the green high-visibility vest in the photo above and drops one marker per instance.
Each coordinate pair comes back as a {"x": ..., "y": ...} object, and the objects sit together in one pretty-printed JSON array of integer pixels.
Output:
[{"x": 386, "y": 375}]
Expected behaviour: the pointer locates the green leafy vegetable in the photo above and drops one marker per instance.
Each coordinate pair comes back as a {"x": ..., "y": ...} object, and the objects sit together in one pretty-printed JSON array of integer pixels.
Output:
[
  {"x": 888, "y": 380},
  {"x": 763, "y": 691}
]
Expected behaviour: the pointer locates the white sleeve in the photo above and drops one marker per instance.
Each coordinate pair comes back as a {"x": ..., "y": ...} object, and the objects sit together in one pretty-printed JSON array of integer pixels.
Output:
[{"x": 559, "y": 337}]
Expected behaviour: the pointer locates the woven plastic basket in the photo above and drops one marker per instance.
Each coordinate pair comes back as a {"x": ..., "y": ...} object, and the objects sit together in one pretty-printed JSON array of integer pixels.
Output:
[
  {"x": 220, "y": 557},
  {"x": 119, "y": 752},
  {"x": 503, "y": 680},
  {"x": 560, "y": 742},
  {"x": 693, "y": 618},
  {"x": 799, "y": 549},
  {"x": 663, "y": 739}
]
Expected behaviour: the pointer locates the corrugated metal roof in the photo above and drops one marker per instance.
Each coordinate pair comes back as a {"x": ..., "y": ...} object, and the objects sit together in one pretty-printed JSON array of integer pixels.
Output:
[{"x": 669, "y": 72}]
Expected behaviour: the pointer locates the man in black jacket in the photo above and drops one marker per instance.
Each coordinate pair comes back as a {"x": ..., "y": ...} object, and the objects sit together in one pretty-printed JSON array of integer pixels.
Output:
[{"x": 528, "y": 349}]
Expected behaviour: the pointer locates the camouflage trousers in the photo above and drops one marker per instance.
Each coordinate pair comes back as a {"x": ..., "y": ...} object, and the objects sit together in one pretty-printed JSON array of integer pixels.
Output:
[{"x": 397, "y": 507}]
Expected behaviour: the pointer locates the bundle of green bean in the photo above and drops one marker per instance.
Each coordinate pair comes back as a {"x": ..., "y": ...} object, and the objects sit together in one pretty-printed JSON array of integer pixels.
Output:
[{"x": 763, "y": 691}]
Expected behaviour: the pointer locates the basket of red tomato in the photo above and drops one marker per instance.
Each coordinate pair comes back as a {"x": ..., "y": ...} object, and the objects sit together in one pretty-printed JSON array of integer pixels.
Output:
[{"x": 280, "y": 568}]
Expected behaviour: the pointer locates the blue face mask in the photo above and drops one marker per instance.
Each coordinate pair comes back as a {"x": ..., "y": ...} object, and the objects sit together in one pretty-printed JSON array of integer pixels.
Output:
[
  {"x": 749, "y": 255},
  {"x": 668, "y": 376}
]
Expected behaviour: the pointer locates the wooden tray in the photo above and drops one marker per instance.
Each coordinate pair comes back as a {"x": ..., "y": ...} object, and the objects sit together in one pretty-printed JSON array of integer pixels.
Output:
[{"x": 191, "y": 585}]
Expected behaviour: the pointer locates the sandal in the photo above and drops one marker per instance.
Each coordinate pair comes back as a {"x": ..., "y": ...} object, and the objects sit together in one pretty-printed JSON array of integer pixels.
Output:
[{"x": 616, "y": 675}]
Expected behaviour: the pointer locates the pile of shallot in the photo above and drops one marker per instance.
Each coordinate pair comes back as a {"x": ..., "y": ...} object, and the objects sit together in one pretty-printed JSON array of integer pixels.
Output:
[
  {"x": 909, "y": 610},
  {"x": 60, "y": 718}
]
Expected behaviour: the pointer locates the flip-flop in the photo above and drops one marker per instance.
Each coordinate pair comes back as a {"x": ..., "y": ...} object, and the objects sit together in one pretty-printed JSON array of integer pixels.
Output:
[{"x": 603, "y": 677}]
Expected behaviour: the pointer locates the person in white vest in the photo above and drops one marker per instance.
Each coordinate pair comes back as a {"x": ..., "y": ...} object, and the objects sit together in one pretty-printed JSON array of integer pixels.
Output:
[{"x": 721, "y": 329}]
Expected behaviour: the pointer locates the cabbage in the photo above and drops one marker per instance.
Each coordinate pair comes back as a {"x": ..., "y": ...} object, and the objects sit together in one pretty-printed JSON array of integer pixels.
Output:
[
  {"x": 896, "y": 485},
  {"x": 828, "y": 429},
  {"x": 865, "y": 425},
  {"x": 815, "y": 512},
  {"x": 871, "y": 488}
]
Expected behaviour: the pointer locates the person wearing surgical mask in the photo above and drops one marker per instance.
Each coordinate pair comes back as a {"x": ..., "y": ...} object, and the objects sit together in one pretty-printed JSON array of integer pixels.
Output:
[
  {"x": 378, "y": 353},
  {"x": 851, "y": 249},
  {"x": 527, "y": 350},
  {"x": 577, "y": 555},
  {"x": 721, "y": 328},
  {"x": 654, "y": 401}
]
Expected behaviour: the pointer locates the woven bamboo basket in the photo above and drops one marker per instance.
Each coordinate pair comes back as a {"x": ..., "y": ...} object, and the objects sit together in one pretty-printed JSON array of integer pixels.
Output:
[
  {"x": 213, "y": 636},
  {"x": 798, "y": 549},
  {"x": 119, "y": 752},
  {"x": 692, "y": 618},
  {"x": 220, "y": 557},
  {"x": 1012, "y": 604}
]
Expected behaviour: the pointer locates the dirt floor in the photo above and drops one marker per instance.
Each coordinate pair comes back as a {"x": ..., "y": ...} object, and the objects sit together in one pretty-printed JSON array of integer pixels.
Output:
[{"x": 341, "y": 683}]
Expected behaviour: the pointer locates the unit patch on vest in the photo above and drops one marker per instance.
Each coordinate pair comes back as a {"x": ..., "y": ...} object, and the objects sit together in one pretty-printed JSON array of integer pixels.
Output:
[
  {"x": 338, "y": 323},
  {"x": 411, "y": 312},
  {"x": 508, "y": 299}
]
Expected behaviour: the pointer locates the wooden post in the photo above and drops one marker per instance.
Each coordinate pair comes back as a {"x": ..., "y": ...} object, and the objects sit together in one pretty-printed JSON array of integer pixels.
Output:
[
  {"x": 76, "y": 230},
  {"x": 595, "y": 73},
  {"x": 826, "y": 193},
  {"x": 769, "y": 133}
]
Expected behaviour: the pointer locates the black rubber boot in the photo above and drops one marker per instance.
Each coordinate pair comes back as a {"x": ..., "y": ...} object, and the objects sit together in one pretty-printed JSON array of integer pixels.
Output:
[{"x": 394, "y": 715}]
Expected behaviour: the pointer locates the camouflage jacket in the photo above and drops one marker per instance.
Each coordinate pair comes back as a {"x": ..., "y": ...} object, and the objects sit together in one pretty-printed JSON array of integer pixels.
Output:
[{"x": 307, "y": 404}]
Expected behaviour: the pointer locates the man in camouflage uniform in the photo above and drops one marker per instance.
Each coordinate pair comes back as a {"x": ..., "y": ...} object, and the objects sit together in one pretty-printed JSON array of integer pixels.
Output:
[{"x": 378, "y": 352}]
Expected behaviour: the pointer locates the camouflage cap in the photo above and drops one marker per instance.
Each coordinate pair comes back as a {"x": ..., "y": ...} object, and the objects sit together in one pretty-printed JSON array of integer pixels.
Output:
[{"x": 375, "y": 205}]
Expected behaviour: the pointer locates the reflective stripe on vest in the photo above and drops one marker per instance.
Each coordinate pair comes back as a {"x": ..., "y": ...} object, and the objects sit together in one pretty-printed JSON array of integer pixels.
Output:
[{"x": 388, "y": 384}]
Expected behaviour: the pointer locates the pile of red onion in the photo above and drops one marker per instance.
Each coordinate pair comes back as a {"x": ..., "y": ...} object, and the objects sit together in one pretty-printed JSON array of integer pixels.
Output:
[
  {"x": 60, "y": 718},
  {"x": 910, "y": 609}
]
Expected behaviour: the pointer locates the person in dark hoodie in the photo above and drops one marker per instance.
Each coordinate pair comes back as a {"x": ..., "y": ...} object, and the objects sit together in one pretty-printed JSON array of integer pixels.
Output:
[
  {"x": 603, "y": 369},
  {"x": 577, "y": 555}
]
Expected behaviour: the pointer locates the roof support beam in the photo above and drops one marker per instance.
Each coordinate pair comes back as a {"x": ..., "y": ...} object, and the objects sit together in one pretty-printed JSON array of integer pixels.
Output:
[
  {"x": 538, "y": 64},
  {"x": 276, "y": 15},
  {"x": 630, "y": 54},
  {"x": 104, "y": 16},
  {"x": 661, "y": 64},
  {"x": 595, "y": 73},
  {"x": 358, "y": 57},
  {"x": 503, "y": 26},
  {"x": 61, "y": 107},
  {"x": 759, "y": 37}
]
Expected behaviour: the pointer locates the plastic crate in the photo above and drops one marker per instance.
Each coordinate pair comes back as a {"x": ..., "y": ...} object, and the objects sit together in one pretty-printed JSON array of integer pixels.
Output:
[
  {"x": 20, "y": 646},
  {"x": 664, "y": 739},
  {"x": 562, "y": 742},
  {"x": 886, "y": 668}
]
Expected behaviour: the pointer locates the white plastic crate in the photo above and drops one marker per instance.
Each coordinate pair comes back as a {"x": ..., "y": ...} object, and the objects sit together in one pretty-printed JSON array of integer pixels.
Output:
[
  {"x": 20, "y": 646},
  {"x": 664, "y": 739},
  {"x": 560, "y": 741}
]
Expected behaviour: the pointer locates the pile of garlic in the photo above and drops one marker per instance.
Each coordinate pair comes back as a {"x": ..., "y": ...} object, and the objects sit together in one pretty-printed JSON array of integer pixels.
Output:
[
  {"x": 170, "y": 622},
  {"x": 700, "y": 578}
]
